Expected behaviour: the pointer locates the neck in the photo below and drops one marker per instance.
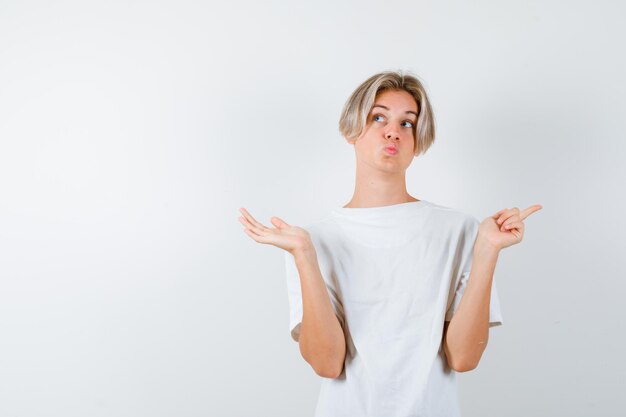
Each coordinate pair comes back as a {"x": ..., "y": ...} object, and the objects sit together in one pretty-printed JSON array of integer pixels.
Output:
[{"x": 379, "y": 189}]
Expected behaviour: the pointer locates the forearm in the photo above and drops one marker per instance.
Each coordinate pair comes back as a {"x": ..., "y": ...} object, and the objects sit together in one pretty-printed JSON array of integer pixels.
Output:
[
  {"x": 468, "y": 332},
  {"x": 322, "y": 341}
]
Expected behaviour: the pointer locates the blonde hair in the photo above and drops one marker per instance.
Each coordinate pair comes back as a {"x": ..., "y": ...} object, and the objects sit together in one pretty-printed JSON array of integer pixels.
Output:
[{"x": 353, "y": 120}]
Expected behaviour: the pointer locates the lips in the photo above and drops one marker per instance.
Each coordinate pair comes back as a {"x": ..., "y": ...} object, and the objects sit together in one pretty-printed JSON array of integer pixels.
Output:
[{"x": 391, "y": 149}]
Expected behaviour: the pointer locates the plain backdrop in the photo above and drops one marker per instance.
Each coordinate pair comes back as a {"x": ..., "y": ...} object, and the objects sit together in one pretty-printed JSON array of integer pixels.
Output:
[{"x": 131, "y": 133}]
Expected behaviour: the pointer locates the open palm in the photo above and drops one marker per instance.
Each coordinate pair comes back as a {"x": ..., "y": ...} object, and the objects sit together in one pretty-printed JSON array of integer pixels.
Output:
[{"x": 284, "y": 236}]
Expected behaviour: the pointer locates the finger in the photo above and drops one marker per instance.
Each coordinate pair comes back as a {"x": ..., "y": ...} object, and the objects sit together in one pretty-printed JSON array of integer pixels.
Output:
[
  {"x": 495, "y": 216},
  {"x": 278, "y": 222},
  {"x": 530, "y": 210},
  {"x": 512, "y": 219},
  {"x": 514, "y": 225},
  {"x": 251, "y": 234},
  {"x": 251, "y": 219},
  {"x": 249, "y": 216},
  {"x": 246, "y": 223},
  {"x": 517, "y": 230},
  {"x": 260, "y": 239},
  {"x": 508, "y": 213},
  {"x": 256, "y": 229}
]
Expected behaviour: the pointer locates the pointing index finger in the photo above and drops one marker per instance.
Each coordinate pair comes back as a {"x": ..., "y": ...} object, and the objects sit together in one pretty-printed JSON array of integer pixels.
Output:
[{"x": 530, "y": 210}]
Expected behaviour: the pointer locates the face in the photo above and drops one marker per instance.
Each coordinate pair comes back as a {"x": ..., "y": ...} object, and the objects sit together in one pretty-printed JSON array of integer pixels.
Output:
[{"x": 390, "y": 125}]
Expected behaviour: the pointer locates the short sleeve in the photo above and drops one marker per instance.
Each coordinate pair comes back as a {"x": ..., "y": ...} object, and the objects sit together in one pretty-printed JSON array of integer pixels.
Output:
[
  {"x": 294, "y": 293},
  {"x": 462, "y": 272}
]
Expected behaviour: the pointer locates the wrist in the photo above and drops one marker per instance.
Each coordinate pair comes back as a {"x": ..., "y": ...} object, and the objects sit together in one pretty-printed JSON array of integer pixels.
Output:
[
  {"x": 304, "y": 250},
  {"x": 485, "y": 247}
]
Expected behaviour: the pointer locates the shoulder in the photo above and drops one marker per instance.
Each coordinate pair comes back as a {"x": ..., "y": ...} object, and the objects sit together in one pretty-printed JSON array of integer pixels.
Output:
[
  {"x": 322, "y": 230},
  {"x": 320, "y": 225},
  {"x": 456, "y": 218}
]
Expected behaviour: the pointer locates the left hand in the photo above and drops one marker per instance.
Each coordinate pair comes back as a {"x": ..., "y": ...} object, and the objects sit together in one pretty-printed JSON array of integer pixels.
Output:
[{"x": 506, "y": 227}]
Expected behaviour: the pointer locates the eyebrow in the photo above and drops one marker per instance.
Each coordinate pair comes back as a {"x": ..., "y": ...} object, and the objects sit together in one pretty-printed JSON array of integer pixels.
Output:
[{"x": 387, "y": 108}]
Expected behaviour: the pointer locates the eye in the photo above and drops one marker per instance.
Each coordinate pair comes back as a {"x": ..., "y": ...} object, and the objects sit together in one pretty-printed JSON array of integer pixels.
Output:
[
  {"x": 409, "y": 122},
  {"x": 376, "y": 115}
]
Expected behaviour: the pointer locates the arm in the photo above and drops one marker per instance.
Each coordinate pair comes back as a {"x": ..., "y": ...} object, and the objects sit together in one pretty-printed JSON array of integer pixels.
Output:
[
  {"x": 322, "y": 341},
  {"x": 465, "y": 337}
]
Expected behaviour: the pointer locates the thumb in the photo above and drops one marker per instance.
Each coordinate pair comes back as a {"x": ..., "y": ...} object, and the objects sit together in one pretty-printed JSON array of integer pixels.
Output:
[{"x": 278, "y": 222}]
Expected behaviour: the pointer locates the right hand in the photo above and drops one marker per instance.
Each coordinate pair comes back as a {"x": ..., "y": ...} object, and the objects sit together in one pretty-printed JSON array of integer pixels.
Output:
[{"x": 284, "y": 236}]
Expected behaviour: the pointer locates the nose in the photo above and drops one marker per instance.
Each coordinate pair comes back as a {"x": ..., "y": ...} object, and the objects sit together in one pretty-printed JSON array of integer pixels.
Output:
[{"x": 392, "y": 134}]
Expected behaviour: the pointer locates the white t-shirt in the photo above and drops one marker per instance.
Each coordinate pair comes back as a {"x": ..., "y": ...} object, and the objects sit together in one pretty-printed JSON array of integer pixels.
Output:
[{"x": 394, "y": 274}]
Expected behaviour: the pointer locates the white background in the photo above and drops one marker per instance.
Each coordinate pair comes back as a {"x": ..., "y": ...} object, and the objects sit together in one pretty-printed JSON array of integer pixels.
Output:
[{"x": 131, "y": 133}]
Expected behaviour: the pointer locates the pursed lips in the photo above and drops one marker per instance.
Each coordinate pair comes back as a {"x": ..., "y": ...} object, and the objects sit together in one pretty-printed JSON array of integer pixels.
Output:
[{"x": 391, "y": 149}]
